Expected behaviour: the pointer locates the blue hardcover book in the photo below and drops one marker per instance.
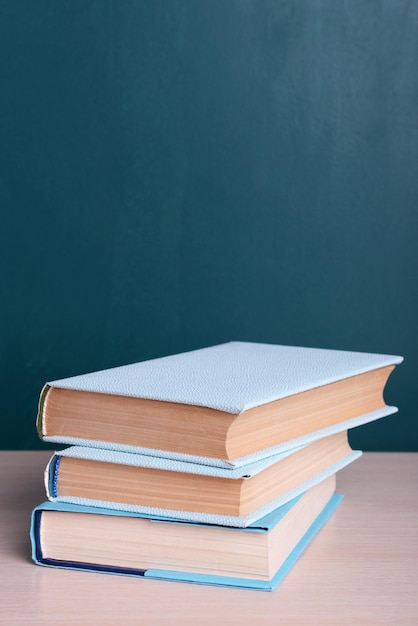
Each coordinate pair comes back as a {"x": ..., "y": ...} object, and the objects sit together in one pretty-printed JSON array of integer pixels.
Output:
[{"x": 132, "y": 544}]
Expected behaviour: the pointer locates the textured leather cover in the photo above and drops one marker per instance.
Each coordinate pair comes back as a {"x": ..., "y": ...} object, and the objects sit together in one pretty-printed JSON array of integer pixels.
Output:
[
  {"x": 225, "y": 581},
  {"x": 230, "y": 377}
]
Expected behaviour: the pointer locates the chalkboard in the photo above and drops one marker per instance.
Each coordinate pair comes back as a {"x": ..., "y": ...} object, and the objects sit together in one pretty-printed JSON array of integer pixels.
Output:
[{"x": 180, "y": 173}]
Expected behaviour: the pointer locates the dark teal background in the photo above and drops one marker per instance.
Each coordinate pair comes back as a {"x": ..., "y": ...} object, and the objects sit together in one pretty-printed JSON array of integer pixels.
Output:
[{"x": 180, "y": 173}]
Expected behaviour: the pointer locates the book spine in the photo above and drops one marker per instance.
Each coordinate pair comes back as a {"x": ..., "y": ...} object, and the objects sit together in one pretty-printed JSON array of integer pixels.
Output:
[
  {"x": 51, "y": 477},
  {"x": 40, "y": 414}
]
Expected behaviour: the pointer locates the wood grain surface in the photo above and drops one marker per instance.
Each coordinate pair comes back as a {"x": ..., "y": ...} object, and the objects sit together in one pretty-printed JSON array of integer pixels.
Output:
[{"x": 362, "y": 568}]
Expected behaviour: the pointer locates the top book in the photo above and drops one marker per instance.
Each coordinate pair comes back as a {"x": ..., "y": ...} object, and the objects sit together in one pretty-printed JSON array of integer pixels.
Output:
[{"x": 226, "y": 402}]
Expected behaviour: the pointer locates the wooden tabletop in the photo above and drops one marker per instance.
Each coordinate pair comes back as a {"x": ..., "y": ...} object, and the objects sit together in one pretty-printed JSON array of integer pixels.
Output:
[{"x": 362, "y": 567}]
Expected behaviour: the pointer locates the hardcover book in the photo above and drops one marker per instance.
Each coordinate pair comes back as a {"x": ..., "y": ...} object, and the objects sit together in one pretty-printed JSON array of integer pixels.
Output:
[
  {"x": 126, "y": 543},
  {"x": 232, "y": 497},
  {"x": 219, "y": 405}
]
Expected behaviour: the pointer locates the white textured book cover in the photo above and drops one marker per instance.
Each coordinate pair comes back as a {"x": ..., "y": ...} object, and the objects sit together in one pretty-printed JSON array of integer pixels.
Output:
[{"x": 231, "y": 377}]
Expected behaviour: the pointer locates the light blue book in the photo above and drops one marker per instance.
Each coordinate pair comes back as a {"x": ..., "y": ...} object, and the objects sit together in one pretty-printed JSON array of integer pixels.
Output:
[
  {"x": 230, "y": 404},
  {"x": 137, "y": 483},
  {"x": 131, "y": 544}
]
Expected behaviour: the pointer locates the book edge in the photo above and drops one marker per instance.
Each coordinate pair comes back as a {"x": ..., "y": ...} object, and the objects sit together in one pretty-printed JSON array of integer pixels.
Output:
[{"x": 265, "y": 453}]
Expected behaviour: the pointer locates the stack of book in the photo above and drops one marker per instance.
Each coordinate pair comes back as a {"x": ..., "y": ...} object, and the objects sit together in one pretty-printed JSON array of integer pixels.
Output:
[{"x": 214, "y": 466}]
